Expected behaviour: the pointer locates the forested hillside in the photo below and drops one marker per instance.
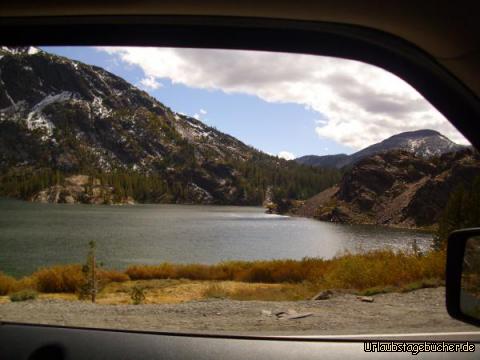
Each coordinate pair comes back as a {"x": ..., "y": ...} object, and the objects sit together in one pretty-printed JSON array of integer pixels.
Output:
[{"x": 71, "y": 132}]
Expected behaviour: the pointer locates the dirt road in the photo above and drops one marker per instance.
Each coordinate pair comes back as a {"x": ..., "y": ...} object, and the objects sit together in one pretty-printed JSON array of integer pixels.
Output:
[{"x": 418, "y": 311}]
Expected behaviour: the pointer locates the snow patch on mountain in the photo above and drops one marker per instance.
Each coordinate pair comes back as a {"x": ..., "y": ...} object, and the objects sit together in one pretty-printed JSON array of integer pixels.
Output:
[
  {"x": 50, "y": 99},
  {"x": 36, "y": 119},
  {"x": 99, "y": 109},
  {"x": 32, "y": 50},
  {"x": 34, "y": 116},
  {"x": 423, "y": 143},
  {"x": 26, "y": 50}
]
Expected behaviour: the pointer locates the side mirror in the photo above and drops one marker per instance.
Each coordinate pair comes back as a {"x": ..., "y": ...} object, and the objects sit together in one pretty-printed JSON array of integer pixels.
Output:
[{"x": 463, "y": 275}]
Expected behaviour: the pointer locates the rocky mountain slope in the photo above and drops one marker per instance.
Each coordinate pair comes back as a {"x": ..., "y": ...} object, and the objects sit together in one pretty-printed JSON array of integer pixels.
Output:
[
  {"x": 329, "y": 161},
  {"x": 61, "y": 118},
  {"x": 395, "y": 188},
  {"x": 422, "y": 143}
]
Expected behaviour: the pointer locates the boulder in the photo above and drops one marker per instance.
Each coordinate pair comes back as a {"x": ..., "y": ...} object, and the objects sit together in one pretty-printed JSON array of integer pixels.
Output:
[
  {"x": 266, "y": 313},
  {"x": 323, "y": 295},
  {"x": 368, "y": 299}
]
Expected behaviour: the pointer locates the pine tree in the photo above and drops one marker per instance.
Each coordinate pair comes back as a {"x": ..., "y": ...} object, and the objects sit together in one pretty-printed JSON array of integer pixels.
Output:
[
  {"x": 461, "y": 211},
  {"x": 90, "y": 287}
]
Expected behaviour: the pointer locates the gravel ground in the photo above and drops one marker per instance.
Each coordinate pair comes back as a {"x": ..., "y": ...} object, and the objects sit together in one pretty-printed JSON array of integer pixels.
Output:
[{"x": 413, "y": 312}]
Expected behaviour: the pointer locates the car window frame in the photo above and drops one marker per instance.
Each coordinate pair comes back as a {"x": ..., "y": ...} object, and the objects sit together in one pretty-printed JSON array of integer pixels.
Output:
[{"x": 448, "y": 94}]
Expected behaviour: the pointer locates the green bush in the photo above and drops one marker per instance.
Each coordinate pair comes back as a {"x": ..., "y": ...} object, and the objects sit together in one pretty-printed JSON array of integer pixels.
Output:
[
  {"x": 23, "y": 295},
  {"x": 137, "y": 295}
]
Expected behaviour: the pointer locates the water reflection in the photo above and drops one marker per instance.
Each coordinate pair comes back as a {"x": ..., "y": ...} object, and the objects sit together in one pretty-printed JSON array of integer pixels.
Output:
[{"x": 33, "y": 235}]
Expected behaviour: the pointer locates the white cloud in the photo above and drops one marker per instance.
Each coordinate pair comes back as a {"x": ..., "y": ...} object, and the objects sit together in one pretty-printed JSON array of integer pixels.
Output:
[
  {"x": 286, "y": 155},
  {"x": 360, "y": 104},
  {"x": 200, "y": 114},
  {"x": 150, "y": 83}
]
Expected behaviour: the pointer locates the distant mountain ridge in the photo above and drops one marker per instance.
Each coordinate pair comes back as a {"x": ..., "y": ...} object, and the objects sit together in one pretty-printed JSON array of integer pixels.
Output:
[
  {"x": 326, "y": 161},
  {"x": 422, "y": 143}
]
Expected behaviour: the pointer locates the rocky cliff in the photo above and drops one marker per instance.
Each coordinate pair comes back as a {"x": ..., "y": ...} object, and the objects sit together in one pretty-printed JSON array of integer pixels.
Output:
[
  {"x": 395, "y": 188},
  {"x": 80, "y": 189}
]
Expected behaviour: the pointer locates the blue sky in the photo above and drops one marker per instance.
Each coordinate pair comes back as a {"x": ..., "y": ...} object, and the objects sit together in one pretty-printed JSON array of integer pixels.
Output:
[{"x": 275, "y": 102}]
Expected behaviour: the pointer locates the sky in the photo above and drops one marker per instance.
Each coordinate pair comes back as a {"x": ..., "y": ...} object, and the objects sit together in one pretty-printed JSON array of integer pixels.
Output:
[{"x": 288, "y": 105}]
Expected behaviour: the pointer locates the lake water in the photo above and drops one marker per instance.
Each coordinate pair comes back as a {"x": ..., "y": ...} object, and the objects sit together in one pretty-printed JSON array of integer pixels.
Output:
[{"x": 34, "y": 235}]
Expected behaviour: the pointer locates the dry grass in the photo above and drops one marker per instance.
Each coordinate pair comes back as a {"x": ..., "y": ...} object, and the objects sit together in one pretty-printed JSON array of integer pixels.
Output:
[
  {"x": 156, "y": 291},
  {"x": 368, "y": 272},
  {"x": 259, "y": 291},
  {"x": 178, "y": 291},
  {"x": 112, "y": 276},
  {"x": 57, "y": 279},
  {"x": 383, "y": 268},
  {"x": 61, "y": 278},
  {"x": 347, "y": 271},
  {"x": 68, "y": 278},
  {"x": 268, "y": 271},
  {"x": 7, "y": 284}
]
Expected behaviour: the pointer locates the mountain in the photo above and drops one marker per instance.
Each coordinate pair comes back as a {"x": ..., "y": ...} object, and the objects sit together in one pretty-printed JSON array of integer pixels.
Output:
[
  {"x": 396, "y": 187},
  {"x": 423, "y": 143},
  {"x": 72, "y": 132},
  {"x": 325, "y": 161}
]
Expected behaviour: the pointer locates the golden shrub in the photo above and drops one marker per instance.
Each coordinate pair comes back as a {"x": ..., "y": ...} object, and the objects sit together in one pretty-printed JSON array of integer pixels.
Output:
[
  {"x": 7, "y": 284},
  {"x": 60, "y": 278}
]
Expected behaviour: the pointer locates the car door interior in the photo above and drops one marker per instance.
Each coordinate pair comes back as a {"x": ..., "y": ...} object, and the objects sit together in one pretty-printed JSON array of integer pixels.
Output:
[{"x": 443, "y": 90}]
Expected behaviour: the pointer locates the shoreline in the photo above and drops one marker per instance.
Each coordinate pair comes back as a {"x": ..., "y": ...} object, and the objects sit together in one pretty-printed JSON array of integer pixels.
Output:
[
  {"x": 31, "y": 201},
  {"x": 428, "y": 230},
  {"x": 285, "y": 279}
]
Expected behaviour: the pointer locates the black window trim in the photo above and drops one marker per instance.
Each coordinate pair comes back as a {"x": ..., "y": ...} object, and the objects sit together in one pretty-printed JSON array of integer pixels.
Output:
[{"x": 441, "y": 88}]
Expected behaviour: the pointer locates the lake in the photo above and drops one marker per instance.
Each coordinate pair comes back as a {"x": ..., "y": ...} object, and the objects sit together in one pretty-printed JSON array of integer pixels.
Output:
[{"x": 33, "y": 235}]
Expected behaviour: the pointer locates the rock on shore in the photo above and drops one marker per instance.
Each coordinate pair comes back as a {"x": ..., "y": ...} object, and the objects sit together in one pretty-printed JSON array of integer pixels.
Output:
[{"x": 80, "y": 189}]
